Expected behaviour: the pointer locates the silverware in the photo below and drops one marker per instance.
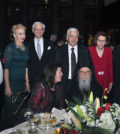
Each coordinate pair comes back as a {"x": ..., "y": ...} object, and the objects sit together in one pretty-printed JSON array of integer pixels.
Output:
[{"x": 41, "y": 129}]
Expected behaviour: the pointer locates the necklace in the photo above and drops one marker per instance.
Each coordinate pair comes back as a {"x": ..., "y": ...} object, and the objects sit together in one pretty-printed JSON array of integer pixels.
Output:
[
  {"x": 20, "y": 45},
  {"x": 99, "y": 51},
  {"x": 85, "y": 94}
]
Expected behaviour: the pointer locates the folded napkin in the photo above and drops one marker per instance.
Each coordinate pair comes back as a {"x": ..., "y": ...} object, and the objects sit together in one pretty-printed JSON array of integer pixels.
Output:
[{"x": 61, "y": 115}]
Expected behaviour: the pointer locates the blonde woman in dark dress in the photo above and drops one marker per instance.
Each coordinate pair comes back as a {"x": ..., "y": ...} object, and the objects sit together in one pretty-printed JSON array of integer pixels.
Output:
[{"x": 15, "y": 70}]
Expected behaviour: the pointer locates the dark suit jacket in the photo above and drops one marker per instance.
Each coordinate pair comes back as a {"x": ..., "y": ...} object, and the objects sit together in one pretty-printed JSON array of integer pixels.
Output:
[
  {"x": 114, "y": 95},
  {"x": 36, "y": 66},
  {"x": 84, "y": 58}
]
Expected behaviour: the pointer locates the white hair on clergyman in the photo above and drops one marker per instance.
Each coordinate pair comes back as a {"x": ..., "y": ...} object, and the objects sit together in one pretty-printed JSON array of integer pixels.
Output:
[
  {"x": 38, "y": 22},
  {"x": 84, "y": 85},
  {"x": 72, "y": 29}
]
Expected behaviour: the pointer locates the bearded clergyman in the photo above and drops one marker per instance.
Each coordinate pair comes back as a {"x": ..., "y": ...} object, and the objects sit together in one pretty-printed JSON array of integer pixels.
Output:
[{"x": 83, "y": 84}]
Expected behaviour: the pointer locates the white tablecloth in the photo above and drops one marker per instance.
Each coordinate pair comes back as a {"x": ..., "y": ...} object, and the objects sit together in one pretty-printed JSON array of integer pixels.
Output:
[
  {"x": 23, "y": 126},
  {"x": 59, "y": 114}
]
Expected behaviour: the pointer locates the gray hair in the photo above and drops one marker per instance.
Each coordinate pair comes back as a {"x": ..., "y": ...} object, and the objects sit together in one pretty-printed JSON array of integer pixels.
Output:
[
  {"x": 38, "y": 22},
  {"x": 84, "y": 85},
  {"x": 72, "y": 29}
]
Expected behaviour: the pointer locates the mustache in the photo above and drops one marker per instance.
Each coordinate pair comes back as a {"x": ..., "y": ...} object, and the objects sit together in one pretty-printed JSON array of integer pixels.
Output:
[{"x": 84, "y": 85}]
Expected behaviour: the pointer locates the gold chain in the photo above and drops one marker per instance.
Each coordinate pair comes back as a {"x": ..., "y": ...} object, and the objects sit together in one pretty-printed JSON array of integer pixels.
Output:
[{"x": 14, "y": 100}]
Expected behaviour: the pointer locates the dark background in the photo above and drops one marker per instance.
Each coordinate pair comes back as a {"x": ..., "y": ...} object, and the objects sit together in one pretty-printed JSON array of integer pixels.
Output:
[{"x": 89, "y": 16}]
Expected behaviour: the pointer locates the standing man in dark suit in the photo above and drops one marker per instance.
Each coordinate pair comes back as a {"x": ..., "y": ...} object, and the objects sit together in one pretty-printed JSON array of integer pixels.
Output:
[
  {"x": 69, "y": 55},
  {"x": 41, "y": 52}
]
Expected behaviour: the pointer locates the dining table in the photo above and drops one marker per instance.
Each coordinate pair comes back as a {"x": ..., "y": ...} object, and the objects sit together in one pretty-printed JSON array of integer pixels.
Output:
[{"x": 25, "y": 127}]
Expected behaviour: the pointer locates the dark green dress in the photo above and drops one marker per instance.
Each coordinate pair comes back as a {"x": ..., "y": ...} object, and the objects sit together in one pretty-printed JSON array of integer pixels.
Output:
[{"x": 16, "y": 62}]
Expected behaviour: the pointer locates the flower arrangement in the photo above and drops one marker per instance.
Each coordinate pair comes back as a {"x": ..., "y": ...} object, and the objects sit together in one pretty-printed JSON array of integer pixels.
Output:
[{"x": 91, "y": 117}]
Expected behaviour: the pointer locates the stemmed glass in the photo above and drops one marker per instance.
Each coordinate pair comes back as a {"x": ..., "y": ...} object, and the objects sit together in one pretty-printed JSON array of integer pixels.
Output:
[{"x": 28, "y": 114}]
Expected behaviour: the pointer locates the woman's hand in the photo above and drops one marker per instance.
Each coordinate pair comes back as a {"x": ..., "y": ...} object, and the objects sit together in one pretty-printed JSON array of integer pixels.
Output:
[
  {"x": 8, "y": 91},
  {"x": 27, "y": 80},
  {"x": 110, "y": 86},
  {"x": 27, "y": 86}
]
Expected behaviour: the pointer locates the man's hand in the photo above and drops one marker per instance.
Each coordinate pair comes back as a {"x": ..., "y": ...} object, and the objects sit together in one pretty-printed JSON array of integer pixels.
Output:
[{"x": 110, "y": 86}]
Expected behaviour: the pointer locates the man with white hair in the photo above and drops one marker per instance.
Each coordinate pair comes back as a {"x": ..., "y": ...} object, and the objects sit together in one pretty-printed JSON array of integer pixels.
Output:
[
  {"x": 83, "y": 84},
  {"x": 41, "y": 52},
  {"x": 71, "y": 54}
]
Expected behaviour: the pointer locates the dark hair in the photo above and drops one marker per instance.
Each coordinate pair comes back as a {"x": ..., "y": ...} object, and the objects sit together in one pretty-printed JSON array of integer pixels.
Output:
[
  {"x": 101, "y": 33},
  {"x": 49, "y": 73}
]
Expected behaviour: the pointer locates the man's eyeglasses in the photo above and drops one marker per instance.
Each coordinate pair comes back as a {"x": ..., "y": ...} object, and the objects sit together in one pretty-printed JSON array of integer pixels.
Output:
[
  {"x": 103, "y": 41},
  {"x": 84, "y": 72}
]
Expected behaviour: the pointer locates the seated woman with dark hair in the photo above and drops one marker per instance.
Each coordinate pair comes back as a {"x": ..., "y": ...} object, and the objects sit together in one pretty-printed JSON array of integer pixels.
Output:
[{"x": 48, "y": 93}]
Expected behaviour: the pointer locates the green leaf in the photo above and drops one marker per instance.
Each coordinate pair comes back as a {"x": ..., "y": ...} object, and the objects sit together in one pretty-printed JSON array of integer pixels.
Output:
[
  {"x": 91, "y": 98},
  {"x": 79, "y": 111},
  {"x": 76, "y": 120},
  {"x": 67, "y": 126},
  {"x": 95, "y": 130},
  {"x": 75, "y": 114}
]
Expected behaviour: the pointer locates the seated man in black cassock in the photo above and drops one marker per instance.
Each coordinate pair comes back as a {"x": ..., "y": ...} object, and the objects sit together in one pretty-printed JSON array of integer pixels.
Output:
[{"x": 83, "y": 84}]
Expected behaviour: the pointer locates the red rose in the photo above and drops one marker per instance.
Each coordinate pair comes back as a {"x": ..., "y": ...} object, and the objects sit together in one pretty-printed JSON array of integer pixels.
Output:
[
  {"x": 3, "y": 60},
  {"x": 63, "y": 130},
  {"x": 100, "y": 111},
  {"x": 107, "y": 107},
  {"x": 73, "y": 132}
]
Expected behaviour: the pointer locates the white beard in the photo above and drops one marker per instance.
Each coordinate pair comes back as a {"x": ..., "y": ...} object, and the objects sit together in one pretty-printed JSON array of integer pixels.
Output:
[{"x": 84, "y": 85}]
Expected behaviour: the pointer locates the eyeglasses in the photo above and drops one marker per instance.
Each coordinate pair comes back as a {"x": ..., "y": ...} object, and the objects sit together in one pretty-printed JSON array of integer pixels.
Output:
[
  {"x": 103, "y": 41},
  {"x": 84, "y": 72},
  {"x": 71, "y": 36},
  {"x": 36, "y": 29}
]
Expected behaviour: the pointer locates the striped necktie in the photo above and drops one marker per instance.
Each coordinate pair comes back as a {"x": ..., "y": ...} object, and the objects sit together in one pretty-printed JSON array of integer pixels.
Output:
[{"x": 38, "y": 49}]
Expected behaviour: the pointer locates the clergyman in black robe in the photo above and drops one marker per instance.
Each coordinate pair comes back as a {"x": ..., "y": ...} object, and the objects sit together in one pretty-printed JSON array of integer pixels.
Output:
[{"x": 83, "y": 84}]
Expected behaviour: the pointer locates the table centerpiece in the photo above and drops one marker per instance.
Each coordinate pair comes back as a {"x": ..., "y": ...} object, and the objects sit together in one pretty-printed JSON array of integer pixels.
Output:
[{"x": 92, "y": 117}]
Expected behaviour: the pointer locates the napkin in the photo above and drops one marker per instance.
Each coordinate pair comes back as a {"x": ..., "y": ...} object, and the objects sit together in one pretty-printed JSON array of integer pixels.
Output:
[{"x": 61, "y": 115}]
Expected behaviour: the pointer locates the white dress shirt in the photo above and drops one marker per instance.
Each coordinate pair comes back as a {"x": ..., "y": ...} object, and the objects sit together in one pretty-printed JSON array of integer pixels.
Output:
[
  {"x": 69, "y": 57},
  {"x": 40, "y": 43},
  {"x": 1, "y": 73}
]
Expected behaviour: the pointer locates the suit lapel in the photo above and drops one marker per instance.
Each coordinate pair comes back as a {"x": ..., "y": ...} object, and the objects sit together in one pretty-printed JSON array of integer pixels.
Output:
[
  {"x": 79, "y": 53},
  {"x": 45, "y": 48},
  {"x": 33, "y": 49},
  {"x": 66, "y": 59}
]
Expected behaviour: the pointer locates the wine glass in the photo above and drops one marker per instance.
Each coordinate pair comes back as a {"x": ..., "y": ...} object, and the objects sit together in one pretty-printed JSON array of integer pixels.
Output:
[
  {"x": 36, "y": 119},
  {"x": 28, "y": 114}
]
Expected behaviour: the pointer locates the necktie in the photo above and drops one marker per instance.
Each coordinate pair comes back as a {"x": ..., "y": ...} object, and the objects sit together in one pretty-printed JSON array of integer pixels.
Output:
[
  {"x": 73, "y": 61},
  {"x": 38, "y": 50}
]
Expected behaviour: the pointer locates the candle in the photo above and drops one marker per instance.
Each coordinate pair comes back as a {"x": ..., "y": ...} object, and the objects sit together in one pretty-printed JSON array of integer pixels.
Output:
[{"x": 58, "y": 130}]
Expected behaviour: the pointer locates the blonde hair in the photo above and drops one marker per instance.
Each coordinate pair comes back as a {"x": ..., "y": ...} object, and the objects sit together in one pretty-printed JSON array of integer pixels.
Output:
[{"x": 17, "y": 26}]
